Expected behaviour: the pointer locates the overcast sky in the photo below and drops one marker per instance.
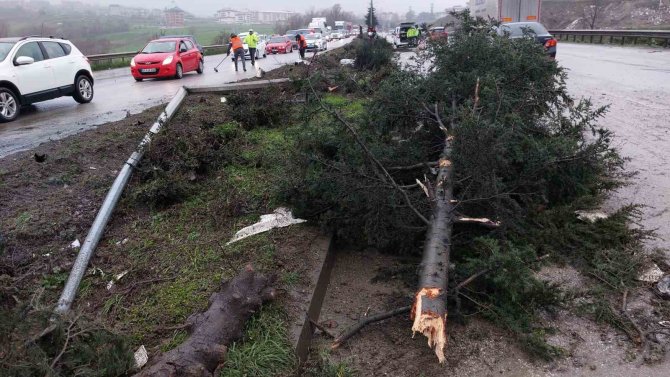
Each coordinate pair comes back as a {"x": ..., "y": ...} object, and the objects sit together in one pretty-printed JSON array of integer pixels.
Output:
[{"x": 209, "y": 7}]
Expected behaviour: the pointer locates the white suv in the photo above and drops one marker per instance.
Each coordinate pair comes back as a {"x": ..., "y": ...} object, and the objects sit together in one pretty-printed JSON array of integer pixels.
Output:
[{"x": 36, "y": 69}]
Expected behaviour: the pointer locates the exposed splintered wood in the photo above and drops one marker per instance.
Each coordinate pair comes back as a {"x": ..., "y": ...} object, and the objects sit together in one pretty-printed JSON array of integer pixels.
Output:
[
  {"x": 212, "y": 331},
  {"x": 429, "y": 311}
]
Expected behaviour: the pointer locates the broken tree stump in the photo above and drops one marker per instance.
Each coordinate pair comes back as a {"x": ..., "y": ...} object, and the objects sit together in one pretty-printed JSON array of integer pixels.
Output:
[
  {"x": 429, "y": 311},
  {"x": 211, "y": 332}
]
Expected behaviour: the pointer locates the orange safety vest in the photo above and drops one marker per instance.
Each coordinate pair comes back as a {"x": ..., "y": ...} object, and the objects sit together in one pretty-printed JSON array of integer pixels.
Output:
[
  {"x": 236, "y": 43},
  {"x": 303, "y": 42}
]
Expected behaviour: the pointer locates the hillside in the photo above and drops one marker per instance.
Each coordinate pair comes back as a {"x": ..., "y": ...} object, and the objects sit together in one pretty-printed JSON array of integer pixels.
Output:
[{"x": 612, "y": 14}]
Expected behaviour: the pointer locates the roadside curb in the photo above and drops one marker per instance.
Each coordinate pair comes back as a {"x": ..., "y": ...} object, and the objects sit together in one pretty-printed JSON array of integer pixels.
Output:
[{"x": 303, "y": 336}]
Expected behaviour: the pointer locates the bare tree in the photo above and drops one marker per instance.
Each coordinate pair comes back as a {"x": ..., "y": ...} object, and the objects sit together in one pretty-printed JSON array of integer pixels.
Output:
[
  {"x": 592, "y": 12},
  {"x": 4, "y": 29}
]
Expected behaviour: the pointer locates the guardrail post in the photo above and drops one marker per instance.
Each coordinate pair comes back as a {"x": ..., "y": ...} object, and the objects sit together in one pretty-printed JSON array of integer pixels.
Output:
[{"x": 623, "y": 40}]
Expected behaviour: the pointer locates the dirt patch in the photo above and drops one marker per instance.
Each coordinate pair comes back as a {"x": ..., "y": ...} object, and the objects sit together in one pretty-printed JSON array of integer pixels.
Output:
[
  {"x": 475, "y": 348},
  {"x": 48, "y": 205}
]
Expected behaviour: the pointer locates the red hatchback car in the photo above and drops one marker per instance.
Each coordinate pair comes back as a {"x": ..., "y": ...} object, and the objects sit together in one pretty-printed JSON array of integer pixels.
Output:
[
  {"x": 279, "y": 44},
  {"x": 167, "y": 58}
]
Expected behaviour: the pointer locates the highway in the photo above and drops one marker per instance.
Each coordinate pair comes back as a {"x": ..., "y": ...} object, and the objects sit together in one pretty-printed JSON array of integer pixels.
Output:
[
  {"x": 635, "y": 83},
  {"x": 116, "y": 94}
]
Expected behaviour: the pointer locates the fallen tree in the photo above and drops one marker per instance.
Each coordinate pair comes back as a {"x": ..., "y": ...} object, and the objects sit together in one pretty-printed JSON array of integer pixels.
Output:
[
  {"x": 429, "y": 311},
  {"x": 211, "y": 332},
  {"x": 501, "y": 185}
]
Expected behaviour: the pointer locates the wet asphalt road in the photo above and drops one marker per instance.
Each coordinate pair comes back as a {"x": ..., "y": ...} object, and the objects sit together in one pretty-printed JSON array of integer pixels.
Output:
[
  {"x": 116, "y": 94},
  {"x": 635, "y": 83}
]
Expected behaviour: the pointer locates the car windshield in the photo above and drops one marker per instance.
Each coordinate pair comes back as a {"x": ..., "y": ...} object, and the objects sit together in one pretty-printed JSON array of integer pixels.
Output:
[
  {"x": 314, "y": 36},
  {"x": 160, "y": 47},
  {"x": 517, "y": 30},
  {"x": 5, "y": 47},
  {"x": 277, "y": 40}
]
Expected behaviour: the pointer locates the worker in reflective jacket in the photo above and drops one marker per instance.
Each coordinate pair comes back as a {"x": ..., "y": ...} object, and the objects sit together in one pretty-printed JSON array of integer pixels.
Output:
[
  {"x": 237, "y": 47},
  {"x": 412, "y": 35},
  {"x": 302, "y": 45},
  {"x": 252, "y": 41}
]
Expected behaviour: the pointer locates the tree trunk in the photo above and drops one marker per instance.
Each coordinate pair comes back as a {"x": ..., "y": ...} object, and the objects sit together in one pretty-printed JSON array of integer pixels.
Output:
[
  {"x": 429, "y": 311},
  {"x": 212, "y": 331}
]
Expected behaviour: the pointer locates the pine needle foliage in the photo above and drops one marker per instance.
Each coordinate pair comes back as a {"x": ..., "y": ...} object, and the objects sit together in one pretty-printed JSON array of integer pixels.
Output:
[{"x": 526, "y": 154}]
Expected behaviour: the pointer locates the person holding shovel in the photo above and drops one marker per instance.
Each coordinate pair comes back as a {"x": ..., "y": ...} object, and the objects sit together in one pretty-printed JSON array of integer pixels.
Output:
[{"x": 237, "y": 47}]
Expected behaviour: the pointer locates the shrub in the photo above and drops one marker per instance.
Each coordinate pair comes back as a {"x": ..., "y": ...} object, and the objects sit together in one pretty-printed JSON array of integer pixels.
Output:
[{"x": 372, "y": 54}]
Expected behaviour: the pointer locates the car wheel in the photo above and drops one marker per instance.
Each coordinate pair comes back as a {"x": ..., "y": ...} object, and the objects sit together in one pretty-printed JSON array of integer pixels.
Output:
[
  {"x": 180, "y": 72},
  {"x": 138, "y": 79},
  {"x": 83, "y": 89},
  {"x": 9, "y": 105},
  {"x": 201, "y": 67}
]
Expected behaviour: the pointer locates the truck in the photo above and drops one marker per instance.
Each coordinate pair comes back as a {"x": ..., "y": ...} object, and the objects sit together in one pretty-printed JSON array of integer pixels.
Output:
[
  {"x": 507, "y": 10},
  {"x": 342, "y": 28},
  {"x": 319, "y": 26}
]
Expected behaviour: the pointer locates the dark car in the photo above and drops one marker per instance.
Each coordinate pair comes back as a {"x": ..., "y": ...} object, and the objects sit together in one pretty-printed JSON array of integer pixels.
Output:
[
  {"x": 530, "y": 29},
  {"x": 190, "y": 37},
  {"x": 291, "y": 35}
]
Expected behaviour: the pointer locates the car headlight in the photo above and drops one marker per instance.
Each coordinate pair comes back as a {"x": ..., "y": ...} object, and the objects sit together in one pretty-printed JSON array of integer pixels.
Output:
[
  {"x": 132, "y": 62},
  {"x": 168, "y": 60}
]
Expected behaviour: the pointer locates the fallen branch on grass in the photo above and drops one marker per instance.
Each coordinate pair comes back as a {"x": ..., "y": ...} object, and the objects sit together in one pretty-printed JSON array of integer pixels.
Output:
[
  {"x": 353, "y": 329},
  {"x": 212, "y": 331}
]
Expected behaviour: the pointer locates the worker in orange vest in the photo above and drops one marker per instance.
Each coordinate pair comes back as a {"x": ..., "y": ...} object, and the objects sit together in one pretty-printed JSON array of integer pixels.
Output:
[
  {"x": 302, "y": 45},
  {"x": 237, "y": 47}
]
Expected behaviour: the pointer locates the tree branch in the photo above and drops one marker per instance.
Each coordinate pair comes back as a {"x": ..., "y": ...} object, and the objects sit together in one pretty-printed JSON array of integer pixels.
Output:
[
  {"x": 415, "y": 166},
  {"x": 356, "y": 327},
  {"x": 370, "y": 155}
]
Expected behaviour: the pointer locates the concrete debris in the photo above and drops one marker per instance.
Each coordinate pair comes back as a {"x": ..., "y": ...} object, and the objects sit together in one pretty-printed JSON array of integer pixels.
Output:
[
  {"x": 123, "y": 242},
  {"x": 348, "y": 62},
  {"x": 591, "y": 216},
  {"x": 665, "y": 324},
  {"x": 141, "y": 357},
  {"x": 282, "y": 217},
  {"x": 663, "y": 290},
  {"x": 259, "y": 71},
  {"x": 651, "y": 274},
  {"x": 75, "y": 244},
  {"x": 223, "y": 100},
  {"x": 116, "y": 278}
]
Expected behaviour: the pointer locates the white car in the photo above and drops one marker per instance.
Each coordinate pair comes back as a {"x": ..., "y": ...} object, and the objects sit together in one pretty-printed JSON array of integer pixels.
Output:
[
  {"x": 260, "y": 46},
  {"x": 39, "y": 69},
  {"x": 336, "y": 35},
  {"x": 316, "y": 42}
]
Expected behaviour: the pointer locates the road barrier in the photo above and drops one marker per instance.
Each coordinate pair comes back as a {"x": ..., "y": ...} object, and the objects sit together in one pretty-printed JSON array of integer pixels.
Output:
[
  {"x": 661, "y": 37},
  {"x": 102, "y": 218},
  {"x": 123, "y": 58}
]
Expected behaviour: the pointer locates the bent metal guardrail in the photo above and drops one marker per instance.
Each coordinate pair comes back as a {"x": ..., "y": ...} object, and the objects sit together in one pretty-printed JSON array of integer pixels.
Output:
[
  {"x": 614, "y": 36},
  {"x": 129, "y": 55},
  {"x": 112, "y": 198}
]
